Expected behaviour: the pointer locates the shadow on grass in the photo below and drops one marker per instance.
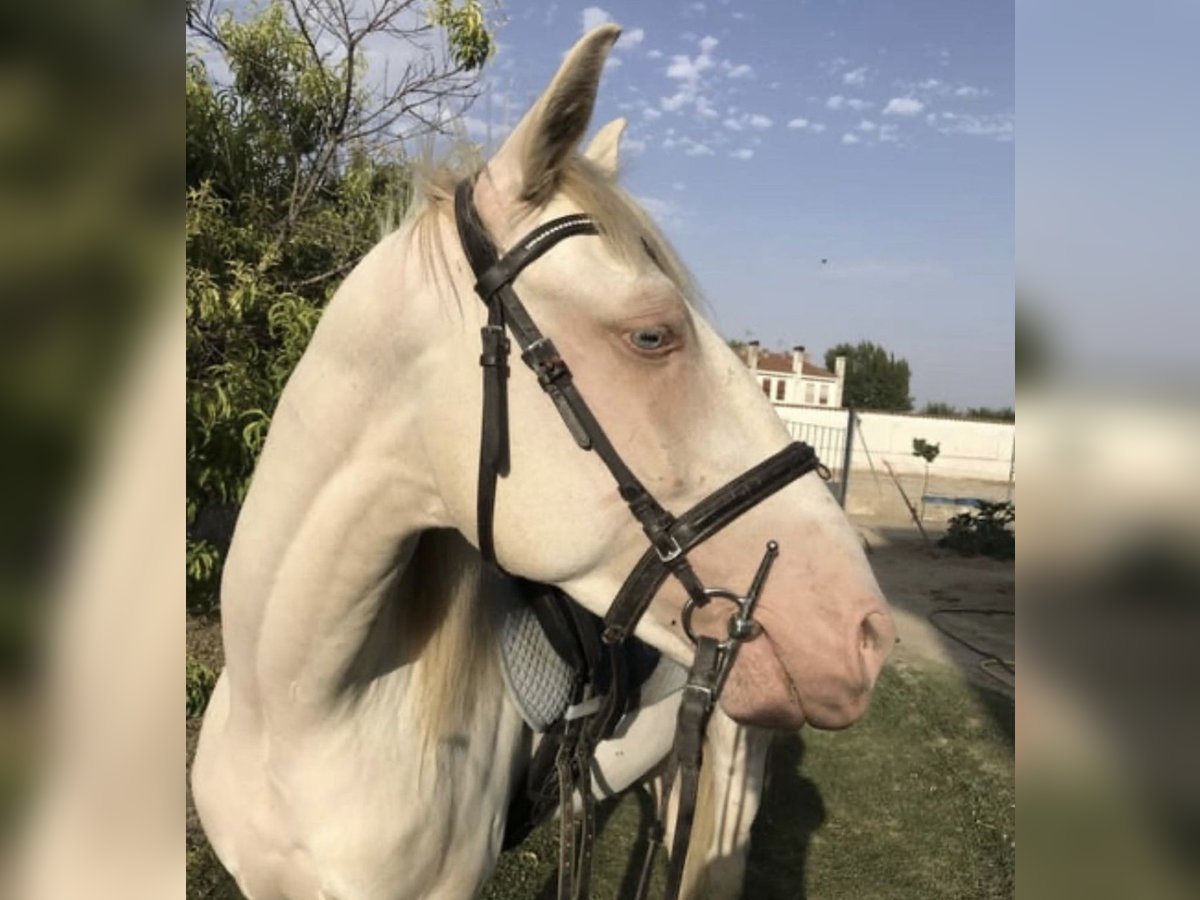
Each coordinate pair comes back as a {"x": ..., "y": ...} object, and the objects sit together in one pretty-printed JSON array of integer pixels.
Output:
[{"x": 792, "y": 811}]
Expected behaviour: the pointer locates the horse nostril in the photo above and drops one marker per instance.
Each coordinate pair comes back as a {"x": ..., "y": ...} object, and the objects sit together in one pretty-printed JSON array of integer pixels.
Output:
[{"x": 876, "y": 637}]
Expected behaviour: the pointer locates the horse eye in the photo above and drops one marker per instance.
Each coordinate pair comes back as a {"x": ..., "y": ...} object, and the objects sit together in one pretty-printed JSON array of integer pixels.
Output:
[{"x": 650, "y": 339}]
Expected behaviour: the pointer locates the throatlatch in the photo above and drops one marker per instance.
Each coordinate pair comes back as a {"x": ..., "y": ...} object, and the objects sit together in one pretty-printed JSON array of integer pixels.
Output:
[{"x": 598, "y": 707}]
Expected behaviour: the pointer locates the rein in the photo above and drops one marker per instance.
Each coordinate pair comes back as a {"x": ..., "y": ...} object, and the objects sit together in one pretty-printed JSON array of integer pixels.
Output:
[{"x": 596, "y": 710}]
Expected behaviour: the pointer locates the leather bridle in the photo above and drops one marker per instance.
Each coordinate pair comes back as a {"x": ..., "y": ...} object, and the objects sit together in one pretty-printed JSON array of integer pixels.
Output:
[{"x": 671, "y": 538}]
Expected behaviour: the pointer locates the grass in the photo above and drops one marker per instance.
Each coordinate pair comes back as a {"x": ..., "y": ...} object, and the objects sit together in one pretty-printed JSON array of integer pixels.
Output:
[{"x": 916, "y": 801}]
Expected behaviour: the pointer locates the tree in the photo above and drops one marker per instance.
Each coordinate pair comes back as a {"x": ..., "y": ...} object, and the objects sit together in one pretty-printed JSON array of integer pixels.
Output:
[
  {"x": 928, "y": 452},
  {"x": 294, "y": 160},
  {"x": 875, "y": 379},
  {"x": 938, "y": 408},
  {"x": 1005, "y": 414}
]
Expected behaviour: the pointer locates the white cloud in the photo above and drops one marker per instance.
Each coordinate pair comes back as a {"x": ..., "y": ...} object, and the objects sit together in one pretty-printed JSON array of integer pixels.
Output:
[
  {"x": 930, "y": 84},
  {"x": 631, "y": 38},
  {"x": 833, "y": 66},
  {"x": 633, "y": 146},
  {"x": 867, "y": 125},
  {"x": 653, "y": 54},
  {"x": 482, "y": 130},
  {"x": 855, "y": 77},
  {"x": 594, "y": 17},
  {"x": 676, "y": 101},
  {"x": 737, "y": 15},
  {"x": 696, "y": 148},
  {"x": 998, "y": 126},
  {"x": 677, "y": 185},
  {"x": 708, "y": 43},
  {"x": 837, "y": 101},
  {"x": 665, "y": 212},
  {"x": 651, "y": 113},
  {"x": 612, "y": 63},
  {"x": 743, "y": 153},
  {"x": 705, "y": 109},
  {"x": 968, "y": 91},
  {"x": 754, "y": 121},
  {"x": 889, "y": 134},
  {"x": 694, "y": 9},
  {"x": 817, "y": 127},
  {"x": 850, "y": 138},
  {"x": 903, "y": 106},
  {"x": 739, "y": 70},
  {"x": 684, "y": 68},
  {"x": 798, "y": 123}
]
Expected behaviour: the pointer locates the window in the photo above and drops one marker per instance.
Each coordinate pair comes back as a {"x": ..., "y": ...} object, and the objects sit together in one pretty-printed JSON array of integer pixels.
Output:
[
  {"x": 780, "y": 385},
  {"x": 809, "y": 393},
  {"x": 824, "y": 401},
  {"x": 767, "y": 387}
]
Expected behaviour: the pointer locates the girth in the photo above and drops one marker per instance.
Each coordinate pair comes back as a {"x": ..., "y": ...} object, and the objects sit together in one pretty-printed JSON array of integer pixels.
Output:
[{"x": 671, "y": 538}]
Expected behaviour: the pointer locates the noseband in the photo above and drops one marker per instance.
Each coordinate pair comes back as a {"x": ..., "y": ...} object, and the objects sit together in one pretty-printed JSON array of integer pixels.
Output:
[{"x": 671, "y": 538}]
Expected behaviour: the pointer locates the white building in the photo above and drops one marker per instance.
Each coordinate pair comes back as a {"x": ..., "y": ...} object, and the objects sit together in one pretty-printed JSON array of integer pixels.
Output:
[{"x": 789, "y": 379}]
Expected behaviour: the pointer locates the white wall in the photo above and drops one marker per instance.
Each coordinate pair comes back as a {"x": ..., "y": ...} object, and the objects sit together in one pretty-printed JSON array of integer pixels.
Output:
[{"x": 969, "y": 449}]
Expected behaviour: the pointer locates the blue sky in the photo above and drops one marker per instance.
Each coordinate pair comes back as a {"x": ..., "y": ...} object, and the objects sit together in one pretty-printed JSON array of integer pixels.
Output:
[{"x": 767, "y": 136}]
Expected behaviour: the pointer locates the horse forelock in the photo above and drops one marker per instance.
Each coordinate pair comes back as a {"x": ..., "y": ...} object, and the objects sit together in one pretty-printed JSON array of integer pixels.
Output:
[{"x": 626, "y": 228}]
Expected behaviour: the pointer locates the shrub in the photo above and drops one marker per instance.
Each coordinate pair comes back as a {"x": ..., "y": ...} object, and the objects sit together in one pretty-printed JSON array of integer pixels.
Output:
[
  {"x": 199, "y": 681},
  {"x": 984, "y": 532}
]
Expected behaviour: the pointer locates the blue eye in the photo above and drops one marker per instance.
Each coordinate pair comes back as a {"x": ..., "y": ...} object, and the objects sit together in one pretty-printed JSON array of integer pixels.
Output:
[{"x": 651, "y": 339}]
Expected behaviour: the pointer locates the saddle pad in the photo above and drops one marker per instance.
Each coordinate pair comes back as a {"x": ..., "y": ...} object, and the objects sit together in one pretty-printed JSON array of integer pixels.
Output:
[{"x": 538, "y": 680}]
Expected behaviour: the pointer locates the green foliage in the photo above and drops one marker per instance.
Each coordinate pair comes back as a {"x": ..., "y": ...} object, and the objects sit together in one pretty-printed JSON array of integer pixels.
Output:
[
  {"x": 946, "y": 410},
  {"x": 199, "y": 681},
  {"x": 984, "y": 532},
  {"x": 290, "y": 176},
  {"x": 927, "y": 451},
  {"x": 470, "y": 43},
  {"x": 1003, "y": 414},
  {"x": 938, "y": 408},
  {"x": 875, "y": 379}
]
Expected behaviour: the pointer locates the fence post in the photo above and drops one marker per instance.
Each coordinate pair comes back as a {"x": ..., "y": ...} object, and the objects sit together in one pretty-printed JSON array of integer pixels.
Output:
[{"x": 846, "y": 454}]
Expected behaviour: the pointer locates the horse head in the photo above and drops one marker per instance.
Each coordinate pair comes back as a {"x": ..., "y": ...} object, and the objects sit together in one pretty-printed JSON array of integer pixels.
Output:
[{"x": 677, "y": 404}]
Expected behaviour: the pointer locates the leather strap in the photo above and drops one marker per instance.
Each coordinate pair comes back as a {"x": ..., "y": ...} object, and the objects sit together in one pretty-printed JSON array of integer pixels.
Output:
[
  {"x": 670, "y": 540},
  {"x": 700, "y": 523}
]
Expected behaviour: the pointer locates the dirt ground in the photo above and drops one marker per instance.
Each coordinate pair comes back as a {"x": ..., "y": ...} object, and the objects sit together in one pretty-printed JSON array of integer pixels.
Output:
[{"x": 929, "y": 587}]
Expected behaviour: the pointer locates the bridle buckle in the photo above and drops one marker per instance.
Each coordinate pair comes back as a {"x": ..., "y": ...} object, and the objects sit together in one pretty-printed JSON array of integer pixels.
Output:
[{"x": 671, "y": 551}]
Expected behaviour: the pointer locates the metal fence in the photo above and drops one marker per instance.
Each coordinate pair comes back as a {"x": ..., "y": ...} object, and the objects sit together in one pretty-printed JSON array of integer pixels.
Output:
[{"x": 833, "y": 444}]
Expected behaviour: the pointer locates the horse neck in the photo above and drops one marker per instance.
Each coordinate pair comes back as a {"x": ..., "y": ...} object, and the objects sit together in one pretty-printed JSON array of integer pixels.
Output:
[{"x": 331, "y": 526}]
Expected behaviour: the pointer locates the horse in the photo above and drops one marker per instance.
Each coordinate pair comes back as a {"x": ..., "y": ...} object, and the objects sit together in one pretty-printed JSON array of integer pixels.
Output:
[{"x": 360, "y": 742}]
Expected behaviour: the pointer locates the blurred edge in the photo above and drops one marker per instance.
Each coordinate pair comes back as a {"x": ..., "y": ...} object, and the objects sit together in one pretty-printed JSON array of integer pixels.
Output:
[
  {"x": 1108, "y": 729},
  {"x": 91, "y": 450}
]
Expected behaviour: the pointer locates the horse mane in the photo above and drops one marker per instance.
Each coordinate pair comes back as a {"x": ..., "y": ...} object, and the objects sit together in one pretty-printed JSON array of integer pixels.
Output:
[
  {"x": 457, "y": 672},
  {"x": 627, "y": 230}
]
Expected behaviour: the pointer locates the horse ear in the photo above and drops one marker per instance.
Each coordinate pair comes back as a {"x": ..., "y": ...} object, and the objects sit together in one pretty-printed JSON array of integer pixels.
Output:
[
  {"x": 605, "y": 148},
  {"x": 528, "y": 166}
]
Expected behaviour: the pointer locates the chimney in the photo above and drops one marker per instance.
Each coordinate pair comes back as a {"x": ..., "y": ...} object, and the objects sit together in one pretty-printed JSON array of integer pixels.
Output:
[
  {"x": 798, "y": 358},
  {"x": 752, "y": 355}
]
